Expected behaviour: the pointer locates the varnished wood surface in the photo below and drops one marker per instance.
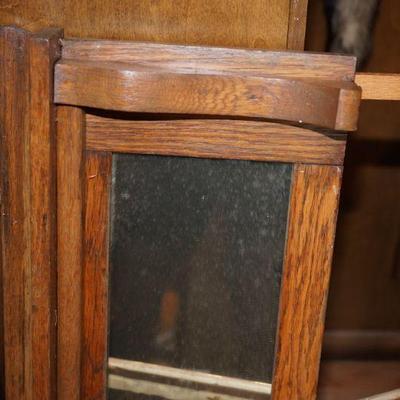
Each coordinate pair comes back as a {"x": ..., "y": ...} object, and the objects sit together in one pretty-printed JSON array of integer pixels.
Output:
[
  {"x": 232, "y": 139},
  {"x": 306, "y": 272},
  {"x": 43, "y": 52},
  {"x": 70, "y": 193},
  {"x": 129, "y": 87},
  {"x": 15, "y": 217},
  {"x": 267, "y": 28},
  {"x": 28, "y": 212},
  {"x": 379, "y": 86},
  {"x": 297, "y": 24},
  {"x": 259, "y": 24},
  {"x": 243, "y": 62},
  {"x": 95, "y": 275}
]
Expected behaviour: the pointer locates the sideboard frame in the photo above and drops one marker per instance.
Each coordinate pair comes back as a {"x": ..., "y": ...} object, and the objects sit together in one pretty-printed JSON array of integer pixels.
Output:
[{"x": 55, "y": 181}]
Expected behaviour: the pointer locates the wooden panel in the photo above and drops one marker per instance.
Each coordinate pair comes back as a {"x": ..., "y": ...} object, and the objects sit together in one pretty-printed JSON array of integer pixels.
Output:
[
  {"x": 364, "y": 275},
  {"x": 70, "y": 168},
  {"x": 127, "y": 87},
  {"x": 370, "y": 214},
  {"x": 262, "y": 24},
  {"x": 379, "y": 86},
  {"x": 361, "y": 344},
  {"x": 243, "y": 62},
  {"x": 309, "y": 247},
  {"x": 44, "y": 51},
  {"x": 15, "y": 218},
  {"x": 95, "y": 276},
  {"x": 232, "y": 139},
  {"x": 297, "y": 24}
]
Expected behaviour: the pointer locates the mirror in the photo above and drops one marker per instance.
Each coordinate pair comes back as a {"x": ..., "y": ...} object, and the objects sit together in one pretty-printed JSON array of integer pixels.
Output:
[{"x": 195, "y": 268}]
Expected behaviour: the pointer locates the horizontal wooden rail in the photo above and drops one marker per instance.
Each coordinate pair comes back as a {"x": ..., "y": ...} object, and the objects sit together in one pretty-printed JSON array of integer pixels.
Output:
[
  {"x": 379, "y": 86},
  {"x": 136, "y": 88},
  {"x": 234, "y": 61},
  {"x": 214, "y": 138}
]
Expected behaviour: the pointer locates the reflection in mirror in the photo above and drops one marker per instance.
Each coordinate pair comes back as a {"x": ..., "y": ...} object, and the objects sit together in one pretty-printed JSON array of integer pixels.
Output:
[{"x": 196, "y": 259}]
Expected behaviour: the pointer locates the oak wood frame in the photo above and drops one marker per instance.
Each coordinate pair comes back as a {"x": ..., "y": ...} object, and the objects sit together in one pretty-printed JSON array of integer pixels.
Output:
[
  {"x": 28, "y": 208},
  {"x": 83, "y": 184},
  {"x": 318, "y": 157},
  {"x": 297, "y": 25},
  {"x": 124, "y": 76},
  {"x": 312, "y": 220}
]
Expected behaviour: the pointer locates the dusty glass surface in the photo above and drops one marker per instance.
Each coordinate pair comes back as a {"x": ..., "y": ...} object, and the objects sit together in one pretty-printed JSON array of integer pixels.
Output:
[{"x": 195, "y": 263}]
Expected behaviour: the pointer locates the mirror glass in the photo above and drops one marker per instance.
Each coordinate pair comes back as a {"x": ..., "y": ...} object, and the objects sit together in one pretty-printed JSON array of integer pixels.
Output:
[{"x": 196, "y": 259}]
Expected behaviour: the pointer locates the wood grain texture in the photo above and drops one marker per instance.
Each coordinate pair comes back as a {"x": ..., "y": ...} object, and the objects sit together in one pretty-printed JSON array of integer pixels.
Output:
[
  {"x": 243, "y": 62},
  {"x": 306, "y": 272},
  {"x": 95, "y": 276},
  {"x": 128, "y": 87},
  {"x": 28, "y": 214},
  {"x": 230, "y": 139},
  {"x": 70, "y": 193},
  {"x": 44, "y": 50},
  {"x": 261, "y": 24},
  {"x": 15, "y": 217},
  {"x": 379, "y": 86},
  {"x": 297, "y": 24}
]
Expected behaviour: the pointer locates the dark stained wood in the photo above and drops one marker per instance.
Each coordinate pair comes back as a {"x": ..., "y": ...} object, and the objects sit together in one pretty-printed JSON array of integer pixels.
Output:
[
  {"x": 15, "y": 216},
  {"x": 259, "y": 24},
  {"x": 361, "y": 380},
  {"x": 81, "y": 343},
  {"x": 70, "y": 192},
  {"x": 297, "y": 24},
  {"x": 44, "y": 50},
  {"x": 232, "y": 139},
  {"x": 364, "y": 275},
  {"x": 308, "y": 254},
  {"x": 229, "y": 23},
  {"x": 243, "y": 62},
  {"x": 95, "y": 276},
  {"x": 128, "y": 87},
  {"x": 2, "y": 369},
  {"x": 28, "y": 211},
  {"x": 361, "y": 344}
]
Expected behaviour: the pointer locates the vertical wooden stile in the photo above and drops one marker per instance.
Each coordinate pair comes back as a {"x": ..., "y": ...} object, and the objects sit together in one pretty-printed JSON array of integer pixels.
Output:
[
  {"x": 70, "y": 198},
  {"x": 15, "y": 216},
  {"x": 95, "y": 275},
  {"x": 44, "y": 50},
  {"x": 306, "y": 271},
  {"x": 297, "y": 24}
]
